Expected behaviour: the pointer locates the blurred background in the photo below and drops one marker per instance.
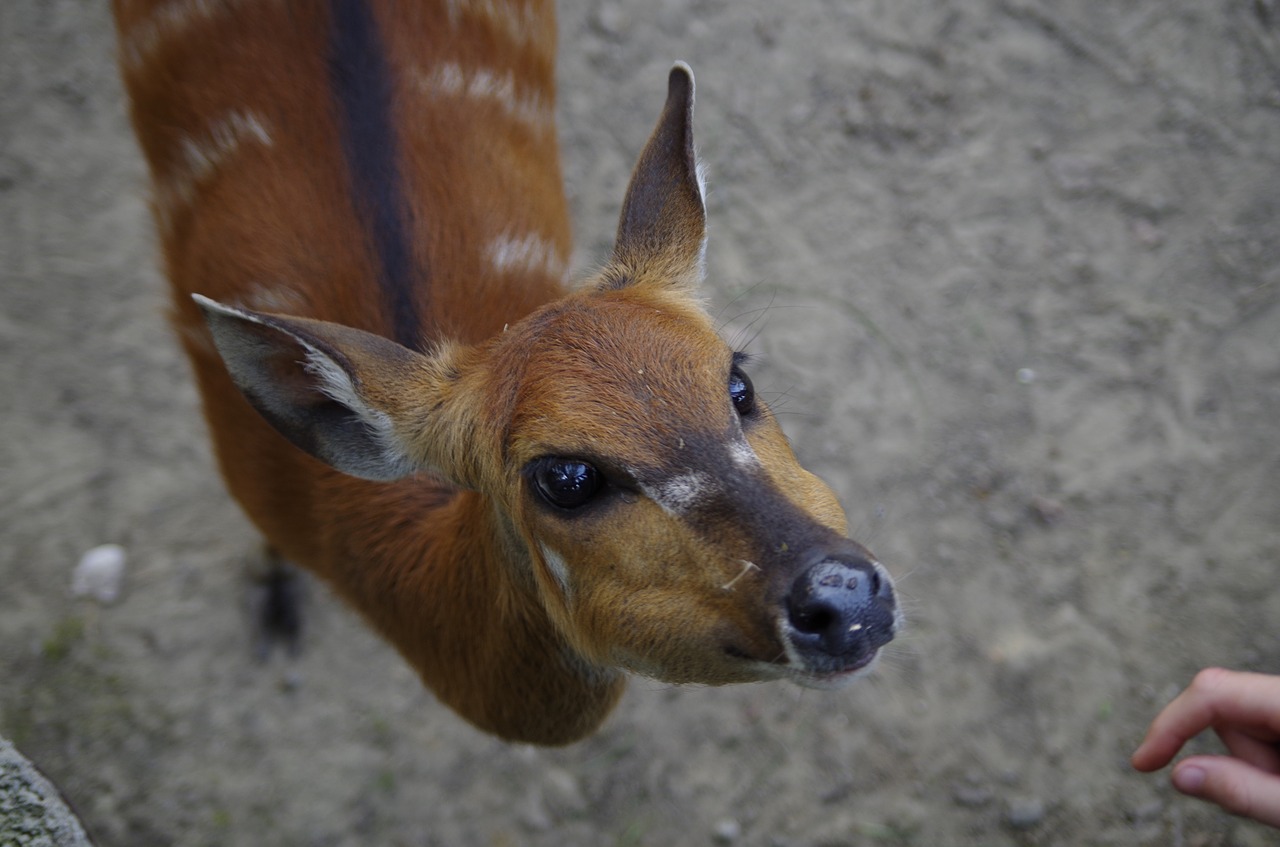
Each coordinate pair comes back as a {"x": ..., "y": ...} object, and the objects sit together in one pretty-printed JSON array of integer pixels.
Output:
[{"x": 1009, "y": 271}]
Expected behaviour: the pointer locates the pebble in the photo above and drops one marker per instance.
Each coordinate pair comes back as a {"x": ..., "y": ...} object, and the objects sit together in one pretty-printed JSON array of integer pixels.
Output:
[
  {"x": 972, "y": 796},
  {"x": 535, "y": 816},
  {"x": 563, "y": 793},
  {"x": 1047, "y": 510},
  {"x": 1025, "y": 812},
  {"x": 99, "y": 574},
  {"x": 727, "y": 831},
  {"x": 1147, "y": 234},
  {"x": 1147, "y": 812}
]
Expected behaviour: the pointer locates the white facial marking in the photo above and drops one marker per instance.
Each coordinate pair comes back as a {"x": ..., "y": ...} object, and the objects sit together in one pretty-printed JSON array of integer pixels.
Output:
[
  {"x": 741, "y": 454},
  {"x": 682, "y": 493},
  {"x": 558, "y": 567}
]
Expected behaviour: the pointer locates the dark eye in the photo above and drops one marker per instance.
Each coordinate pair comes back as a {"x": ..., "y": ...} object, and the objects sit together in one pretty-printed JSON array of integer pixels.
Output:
[
  {"x": 566, "y": 483},
  {"x": 741, "y": 392}
]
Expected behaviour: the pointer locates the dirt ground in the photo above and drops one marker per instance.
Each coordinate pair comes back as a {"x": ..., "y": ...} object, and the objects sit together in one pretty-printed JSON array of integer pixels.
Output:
[{"x": 1010, "y": 269}]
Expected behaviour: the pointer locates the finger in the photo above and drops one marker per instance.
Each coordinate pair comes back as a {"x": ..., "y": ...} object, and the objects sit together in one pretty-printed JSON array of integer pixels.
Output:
[
  {"x": 1156, "y": 750},
  {"x": 1234, "y": 785},
  {"x": 1260, "y": 753},
  {"x": 1215, "y": 697}
]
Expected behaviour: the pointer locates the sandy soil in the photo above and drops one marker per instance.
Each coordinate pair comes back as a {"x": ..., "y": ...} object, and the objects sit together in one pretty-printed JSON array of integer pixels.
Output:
[{"x": 1010, "y": 270}]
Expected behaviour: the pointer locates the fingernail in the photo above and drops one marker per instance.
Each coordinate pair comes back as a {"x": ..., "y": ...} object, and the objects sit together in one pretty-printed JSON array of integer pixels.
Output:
[{"x": 1189, "y": 779}]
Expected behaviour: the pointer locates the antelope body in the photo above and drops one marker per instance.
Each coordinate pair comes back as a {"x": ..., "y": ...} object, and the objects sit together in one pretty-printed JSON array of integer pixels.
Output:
[{"x": 528, "y": 490}]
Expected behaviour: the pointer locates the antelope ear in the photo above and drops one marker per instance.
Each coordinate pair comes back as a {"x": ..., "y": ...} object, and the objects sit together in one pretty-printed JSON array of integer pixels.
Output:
[
  {"x": 663, "y": 228},
  {"x": 349, "y": 398}
]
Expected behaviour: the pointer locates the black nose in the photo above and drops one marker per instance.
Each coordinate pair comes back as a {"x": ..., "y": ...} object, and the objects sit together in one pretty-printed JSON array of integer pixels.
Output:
[{"x": 841, "y": 610}]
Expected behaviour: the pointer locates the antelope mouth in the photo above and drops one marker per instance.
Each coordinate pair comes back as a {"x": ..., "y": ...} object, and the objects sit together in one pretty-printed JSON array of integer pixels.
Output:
[{"x": 828, "y": 675}]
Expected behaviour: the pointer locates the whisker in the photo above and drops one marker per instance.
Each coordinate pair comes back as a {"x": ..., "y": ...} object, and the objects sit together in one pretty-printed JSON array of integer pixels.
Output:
[
  {"x": 746, "y": 566},
  {"x": 742, "y": 295}
]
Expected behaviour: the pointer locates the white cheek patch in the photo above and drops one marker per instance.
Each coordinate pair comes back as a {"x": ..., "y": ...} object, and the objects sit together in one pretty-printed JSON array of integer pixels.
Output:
[
  {"x": 558, "y": 566},
  {"x": 741, "y": 454}
]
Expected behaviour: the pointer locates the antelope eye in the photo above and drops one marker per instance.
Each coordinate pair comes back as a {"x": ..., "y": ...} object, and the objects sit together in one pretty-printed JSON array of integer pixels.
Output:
[
  {"x": 566, "y": 483},
  {"x": 741, "y": 392}
]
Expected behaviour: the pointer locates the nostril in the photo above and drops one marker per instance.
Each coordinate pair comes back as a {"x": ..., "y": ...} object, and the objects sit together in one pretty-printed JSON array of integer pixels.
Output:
[
  {"x": 840, "y": 608},
  {"x": 812, "y": 619},
  {"x": 837, "y": 580}
]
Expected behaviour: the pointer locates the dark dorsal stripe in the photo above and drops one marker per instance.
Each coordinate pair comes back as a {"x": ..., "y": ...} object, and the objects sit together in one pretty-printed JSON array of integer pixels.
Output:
[{"x": 362, "y": 89}]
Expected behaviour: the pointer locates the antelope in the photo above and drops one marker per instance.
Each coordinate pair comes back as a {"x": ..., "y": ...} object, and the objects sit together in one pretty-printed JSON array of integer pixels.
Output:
[{"x": 531, "y": 490}]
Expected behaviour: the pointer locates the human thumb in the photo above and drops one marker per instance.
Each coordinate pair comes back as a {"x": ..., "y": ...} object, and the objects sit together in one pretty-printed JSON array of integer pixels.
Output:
[{"x": 1236, "y": 786}]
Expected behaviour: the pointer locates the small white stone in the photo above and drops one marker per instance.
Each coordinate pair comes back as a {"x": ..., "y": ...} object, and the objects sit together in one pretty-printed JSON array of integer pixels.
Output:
[
  {"x": 99, "y": 574},
  {"x": 727, "y": 831},
  {"x": 1025, "y": 812}
]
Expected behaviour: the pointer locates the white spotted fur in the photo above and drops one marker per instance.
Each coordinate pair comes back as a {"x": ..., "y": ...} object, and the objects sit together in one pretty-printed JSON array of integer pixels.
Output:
[
  {"x": 529, "y": 252},
  {"x": 203, "y": 153},
  {"x": 450, "y": 79}
]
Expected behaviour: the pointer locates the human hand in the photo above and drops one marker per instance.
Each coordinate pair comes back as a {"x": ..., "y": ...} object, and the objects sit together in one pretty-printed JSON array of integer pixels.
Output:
[{"x": 1244, "y": 710}]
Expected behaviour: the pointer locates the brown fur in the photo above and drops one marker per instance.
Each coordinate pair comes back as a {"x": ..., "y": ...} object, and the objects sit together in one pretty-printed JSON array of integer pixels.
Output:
[{"x": 448, "y": 563}]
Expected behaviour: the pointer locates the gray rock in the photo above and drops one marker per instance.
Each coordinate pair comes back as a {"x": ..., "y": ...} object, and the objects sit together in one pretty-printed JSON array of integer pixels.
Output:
[{"x": 32, "y": 811}]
